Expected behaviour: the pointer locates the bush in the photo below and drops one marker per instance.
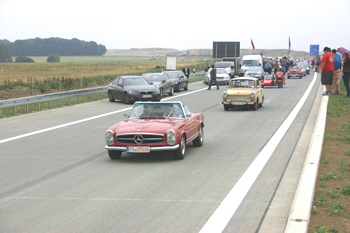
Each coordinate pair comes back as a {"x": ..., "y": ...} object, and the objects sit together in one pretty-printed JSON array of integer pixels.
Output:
[
  {"x": 54, "y": 58},
  {"x": 23, "y": 59}
]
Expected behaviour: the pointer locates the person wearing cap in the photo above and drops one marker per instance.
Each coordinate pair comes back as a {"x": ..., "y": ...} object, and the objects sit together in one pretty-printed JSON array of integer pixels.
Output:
[{"x": 327, "y": 69}]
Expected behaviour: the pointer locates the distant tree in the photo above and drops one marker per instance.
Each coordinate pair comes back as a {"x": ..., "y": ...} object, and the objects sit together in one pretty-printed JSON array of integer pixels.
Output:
[
  {"x": 54, "y": 58},
  {"x": 24, "y": 59},
  {"x": 5, "y": 55},
  {"x": 64, "y": 47}
]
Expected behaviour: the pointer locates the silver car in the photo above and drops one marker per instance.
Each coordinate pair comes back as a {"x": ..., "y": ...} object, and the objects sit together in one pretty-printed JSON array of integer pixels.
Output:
[
  {"x": 222, "y": 77},
  {"x": 162, "y": 81}
]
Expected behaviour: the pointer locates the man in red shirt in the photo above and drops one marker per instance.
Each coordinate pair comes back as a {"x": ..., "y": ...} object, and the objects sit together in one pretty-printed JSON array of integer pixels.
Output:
[{"x": 327, "y": 69}]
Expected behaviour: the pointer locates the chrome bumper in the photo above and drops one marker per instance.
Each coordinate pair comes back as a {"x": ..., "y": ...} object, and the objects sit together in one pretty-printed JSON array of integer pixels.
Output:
[{"x": 152, "y": 148}]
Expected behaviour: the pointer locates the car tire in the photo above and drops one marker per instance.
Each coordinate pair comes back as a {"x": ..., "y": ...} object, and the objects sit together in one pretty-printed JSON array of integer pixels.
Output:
[
  {"x": 177, "y": 88},
  {"x": 126, "y": 98},
  {"x": 179, "y": 154},
  {"x": 171, "y": 93},
  {"x": 110, "y": 97},
  {"x": 226, "y": 107},
  {"x": 113, "y": 154},
  {"x": 261, "y": 104},
  {"x": 279, "y": 84},
  {"x": 255, "y": 106},
  {"x": 198, "y": 141}
]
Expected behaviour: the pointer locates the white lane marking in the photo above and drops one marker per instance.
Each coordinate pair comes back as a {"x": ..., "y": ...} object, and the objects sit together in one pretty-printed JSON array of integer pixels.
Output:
[
  {"x": 222, "y": 215},
  {"x": 82, "y": 120}
]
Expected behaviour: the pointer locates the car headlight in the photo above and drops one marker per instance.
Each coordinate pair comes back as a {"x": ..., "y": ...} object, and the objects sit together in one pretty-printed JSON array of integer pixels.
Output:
[
  {"x": 171, "y": 137},
  {"x": 259, "y": 72},
  {"x": 156, "y": 91},
  {"x": 224, "y": 94},
  {"x": 109, "y": 136},
  {"x": 133, "y": 92},
  {"x": 175, "y": 82},
  {"x": 252, "y": 94}
]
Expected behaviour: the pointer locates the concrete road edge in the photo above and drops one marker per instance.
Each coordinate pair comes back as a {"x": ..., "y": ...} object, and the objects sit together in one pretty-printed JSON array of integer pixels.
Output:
[{"x": 299, "y": 217}]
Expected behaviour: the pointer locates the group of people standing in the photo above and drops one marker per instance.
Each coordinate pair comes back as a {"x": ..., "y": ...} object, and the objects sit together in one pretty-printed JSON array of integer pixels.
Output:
[{"x": 333, "y": 67}]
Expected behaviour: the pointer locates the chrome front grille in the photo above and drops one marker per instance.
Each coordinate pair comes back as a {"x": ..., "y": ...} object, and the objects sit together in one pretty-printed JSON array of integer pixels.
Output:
[
  {"x": 238, "y": 98},
  {"x": 139, "y": 139}
]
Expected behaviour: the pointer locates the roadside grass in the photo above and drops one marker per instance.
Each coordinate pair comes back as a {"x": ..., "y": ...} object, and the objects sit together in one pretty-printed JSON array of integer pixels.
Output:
[{"x": 331, "y": 204}]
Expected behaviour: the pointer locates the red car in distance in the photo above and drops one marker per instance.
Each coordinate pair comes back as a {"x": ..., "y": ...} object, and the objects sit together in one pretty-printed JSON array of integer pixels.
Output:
[
  {"x": 156, "y": 126},
  {"x": 294, "y": 72}
]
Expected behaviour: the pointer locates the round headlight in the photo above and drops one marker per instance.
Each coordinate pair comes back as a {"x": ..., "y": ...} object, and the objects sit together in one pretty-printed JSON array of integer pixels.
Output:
[
  {"x": 252, "y": 94},
  {"x": 171, "y": 137},
  {"x": 109, "y": 136},
  {"x": 157, "y": 91},
  {"x": 224, "y": 94}
]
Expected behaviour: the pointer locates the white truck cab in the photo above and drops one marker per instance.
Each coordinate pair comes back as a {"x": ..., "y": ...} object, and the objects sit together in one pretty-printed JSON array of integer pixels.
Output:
[{"x": 248, "y": 61}]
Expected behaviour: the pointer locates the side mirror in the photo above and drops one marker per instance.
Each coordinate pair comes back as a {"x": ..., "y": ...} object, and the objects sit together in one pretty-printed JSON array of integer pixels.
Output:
[{"x": 125, "y": 115}]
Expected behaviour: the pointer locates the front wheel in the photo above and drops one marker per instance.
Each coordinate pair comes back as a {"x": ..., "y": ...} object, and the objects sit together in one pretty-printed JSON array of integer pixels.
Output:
[
  {"x": 255, "y": 106},
  {"x": 113, "y": 154},
  {"x": 179, "y": 154},
  {"x": 110, "y": 97},
  {"x": 198, "y": 141},
  {"x": 171, "y": 93},
  {"x": 126, "y": 98},
  {"x": 226, "y": 107}
]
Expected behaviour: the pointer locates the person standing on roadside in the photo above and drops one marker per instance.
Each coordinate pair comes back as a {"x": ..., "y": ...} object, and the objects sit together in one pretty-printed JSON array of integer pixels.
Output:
[
  {"x": 186, "y": 71},
  {"x": 337, "y": 72},
  {"x": 327, "y": 70},
  {"x": 213, "y": 78},
  {"x": 346, "y": 73}
]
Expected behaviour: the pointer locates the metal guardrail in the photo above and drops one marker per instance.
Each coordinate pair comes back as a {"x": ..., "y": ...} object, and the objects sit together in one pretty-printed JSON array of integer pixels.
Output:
[{"x": 48, "y": 98}]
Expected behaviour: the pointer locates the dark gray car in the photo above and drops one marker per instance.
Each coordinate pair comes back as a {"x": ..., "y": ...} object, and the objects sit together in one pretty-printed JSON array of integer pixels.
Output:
[
  {"x": 179, "y": 79},
  {"x": 162, "y": 81},
  {"x": 132, "y": 88}
]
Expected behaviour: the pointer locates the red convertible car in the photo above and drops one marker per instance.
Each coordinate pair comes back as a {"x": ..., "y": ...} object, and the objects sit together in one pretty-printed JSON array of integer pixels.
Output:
[
  {"x": 155, "y": 126},
  {"x": 294, "y": 72}
]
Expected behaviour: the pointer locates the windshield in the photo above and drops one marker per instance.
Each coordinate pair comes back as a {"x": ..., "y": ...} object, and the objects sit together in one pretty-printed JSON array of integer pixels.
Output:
[
  {"x": 221, "y": 71},
  {"x": 135, "y": 81},
  {"x": 222, "y": 64},
  {"x": 302, "y": 64},
  {"x": 242, "y": 83},
  {"x": 154, "y": 78},
  {"x": 250, "y": 63},
  {"x": 157, "y": 110},
  {"x": 174, "y": 75}
]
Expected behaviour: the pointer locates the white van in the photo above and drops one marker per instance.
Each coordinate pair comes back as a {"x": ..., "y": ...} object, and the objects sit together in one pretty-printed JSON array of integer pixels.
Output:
[{"x": 248, "y": 61}]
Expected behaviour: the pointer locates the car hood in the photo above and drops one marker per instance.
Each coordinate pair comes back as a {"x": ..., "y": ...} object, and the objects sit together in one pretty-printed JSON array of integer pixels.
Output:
[
  {"x": 253, "y": 71},
  {"x": 243, "y": 92},
  {"x": 136, "y": 125},
  {"x": 140, "y": 88}
]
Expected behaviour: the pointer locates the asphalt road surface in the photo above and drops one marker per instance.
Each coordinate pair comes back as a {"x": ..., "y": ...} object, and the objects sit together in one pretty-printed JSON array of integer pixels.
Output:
[{"x": 56, "y": 175}]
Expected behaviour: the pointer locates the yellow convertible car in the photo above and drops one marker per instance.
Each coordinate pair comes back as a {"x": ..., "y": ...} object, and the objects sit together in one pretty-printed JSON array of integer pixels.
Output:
[{"x": 243, "y": 91}]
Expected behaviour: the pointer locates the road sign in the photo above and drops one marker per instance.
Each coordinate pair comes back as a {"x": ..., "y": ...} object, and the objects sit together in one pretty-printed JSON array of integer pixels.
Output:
[
  {"x": 226, "y": 49},
  {"x": 314, "y": 49}
]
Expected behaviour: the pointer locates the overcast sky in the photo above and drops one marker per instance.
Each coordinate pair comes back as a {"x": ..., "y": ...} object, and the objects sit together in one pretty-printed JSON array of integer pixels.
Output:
[{"x": 181, "y": 24}]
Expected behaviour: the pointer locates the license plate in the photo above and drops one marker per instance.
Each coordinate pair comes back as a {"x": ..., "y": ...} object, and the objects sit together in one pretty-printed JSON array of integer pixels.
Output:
[
  {"x": 147, "y": 96},
  {"x": 238, "y": 103},
  {"x": 138, "y": 149}
]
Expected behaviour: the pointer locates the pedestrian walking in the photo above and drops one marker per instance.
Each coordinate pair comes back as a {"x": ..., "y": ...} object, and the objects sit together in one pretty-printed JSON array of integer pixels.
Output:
[
  {"x": 327, "y": 70},
  {"x": 213, "y": 78},
  {"x": 346, "y": 73}
]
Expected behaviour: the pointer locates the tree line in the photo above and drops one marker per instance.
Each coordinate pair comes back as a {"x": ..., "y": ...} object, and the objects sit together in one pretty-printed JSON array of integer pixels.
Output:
[{"x": 54, "y": 45}]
